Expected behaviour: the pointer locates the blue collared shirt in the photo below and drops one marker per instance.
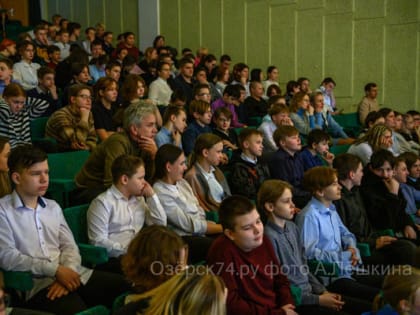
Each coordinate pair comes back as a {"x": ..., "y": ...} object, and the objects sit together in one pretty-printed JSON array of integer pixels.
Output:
[
  {"x": 164, "y": 136},
  {"x": 325, "y": 237}
]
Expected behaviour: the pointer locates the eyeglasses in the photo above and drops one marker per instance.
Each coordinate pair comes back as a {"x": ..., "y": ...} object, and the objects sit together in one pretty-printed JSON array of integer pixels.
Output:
[{"x": 85, "y": 97}]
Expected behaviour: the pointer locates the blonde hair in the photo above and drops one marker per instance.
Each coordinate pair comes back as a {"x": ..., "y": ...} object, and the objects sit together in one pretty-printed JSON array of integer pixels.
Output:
[
  {"x": 400, "y": 284},
  {"x": 373, "y": 136},
  {"x": 196, "y": 290}
]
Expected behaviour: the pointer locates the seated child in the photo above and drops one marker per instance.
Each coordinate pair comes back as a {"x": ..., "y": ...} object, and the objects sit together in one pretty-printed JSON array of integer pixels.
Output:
[
  {"x": 72, "y": 126},
  {"x": 325, "y": 238},
  {"x": 54, "y": 56},
  {"x": 381, "y": 194},
  {"x": 222, "y": 118},
  {"x": 400, "y": 293},
  {"x": 104, "y": 107},
  {"x": 287, "y": 163},
  {"x": 153, "y": 257},
  {"x": 174, "y": 124},
  {"x": 119, "y": 213},
  {"x": 201, "y": 112},
  {"x": 6, "y": 70},
  {"x": 248, "y": 172},
  {"x": 412, "y": 161},
  {"x": 35, "y": 237},
  {"x": 316, "y": 152},
  {"x": 16, "y": 112},
  {"x": 184, "y": 294},
  {"x": 411, "y": 195},
  {"x": 275, "y": 199},
  {"x": 255, "y": 290},
  {"x": 206, "y": 179},
  {"x": 230, "y": 100},
  {"x": 25, "y": 70},
  {"x": 385, "y": 250},
  {"x": 185, "y": 215},
  {"x": 46, "y": 90},
  {"x": 279, "y": 116}
]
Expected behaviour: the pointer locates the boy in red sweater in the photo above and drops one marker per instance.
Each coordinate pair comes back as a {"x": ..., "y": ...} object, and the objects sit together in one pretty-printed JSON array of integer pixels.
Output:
[{"x": 246, "y": 261}]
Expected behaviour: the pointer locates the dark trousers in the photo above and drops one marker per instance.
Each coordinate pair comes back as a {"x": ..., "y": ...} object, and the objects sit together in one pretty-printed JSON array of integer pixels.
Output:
[
  {"x": 102, "y": 288},
  {"x": 318, "y": 310},
  {"x": 400, "y": 252},
  {"x": 358, "y": 296}
]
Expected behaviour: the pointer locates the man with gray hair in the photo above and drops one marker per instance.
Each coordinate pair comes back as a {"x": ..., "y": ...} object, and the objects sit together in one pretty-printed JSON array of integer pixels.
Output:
[{"x": 137, "y": 139}]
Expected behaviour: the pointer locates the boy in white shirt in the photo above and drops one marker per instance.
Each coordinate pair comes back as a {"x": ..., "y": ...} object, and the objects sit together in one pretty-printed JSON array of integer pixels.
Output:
[{"x": 119, "y": 213}]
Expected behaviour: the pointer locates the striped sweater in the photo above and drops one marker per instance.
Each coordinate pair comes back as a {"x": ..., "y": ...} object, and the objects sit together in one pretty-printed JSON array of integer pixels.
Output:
[
  {"x": 66, "y": 126},
  {"x": 16, "y": 127}
]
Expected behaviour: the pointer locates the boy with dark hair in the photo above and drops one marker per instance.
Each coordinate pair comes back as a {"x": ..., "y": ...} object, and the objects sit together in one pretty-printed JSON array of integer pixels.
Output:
[
  {"x": 222, "y": 118},
  {"x": 72, "y": 126},
  {"x": 6, "y": 71},
  {"x": 230, "y": 99},
  {"x": 54, "y": 56},
  {"x": 119, "y": 213},
  {"x": 287, "y": 164},
  {"x": 201, "y": 112},
  {"x": 46, "y": 89},
  {"x": 316, "y": 151},
  {"x": 384, "y": 202},
  {"x": 35, "y": 237},
  {"x": 248, "y": 172},
  {"x": 258, "y": 290},
  {"x": 385, "y": 249}
]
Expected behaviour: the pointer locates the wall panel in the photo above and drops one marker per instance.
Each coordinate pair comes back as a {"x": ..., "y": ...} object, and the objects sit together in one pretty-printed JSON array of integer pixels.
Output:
[
  {"x": 211, "y": 30},
  {"x": 400, "y": 71},
  {"x": 354, "y": 41}
]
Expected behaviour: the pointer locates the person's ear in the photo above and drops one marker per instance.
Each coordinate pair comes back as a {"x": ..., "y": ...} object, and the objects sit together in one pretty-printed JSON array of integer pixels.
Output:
[
  {"x": 245, "y": 144},
  {"x": 229, "y": 234},
  {"x": 205, "y": 153},
  {"x": 168, "y": 167},
  {"x": 269, "y": 206},
  {"x": 124, "y": 179},
  {"x": 15, "y": 176},
  {"x": 133, "y": 130},
  {"x": 319, "y": 193}
]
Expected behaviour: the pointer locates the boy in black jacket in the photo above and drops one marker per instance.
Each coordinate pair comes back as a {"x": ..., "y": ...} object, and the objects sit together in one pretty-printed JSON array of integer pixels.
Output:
[{"x": 247, "y": 171}]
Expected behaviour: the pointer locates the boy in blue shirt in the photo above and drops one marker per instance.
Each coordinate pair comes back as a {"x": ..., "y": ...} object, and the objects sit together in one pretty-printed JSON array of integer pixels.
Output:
[{"x": 325, "y": 238}]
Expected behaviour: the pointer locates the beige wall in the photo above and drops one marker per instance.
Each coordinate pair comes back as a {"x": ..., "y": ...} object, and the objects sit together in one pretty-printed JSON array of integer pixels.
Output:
[
  {"x": 118, "y": 15},
  {"x": 354, "y": 41}
]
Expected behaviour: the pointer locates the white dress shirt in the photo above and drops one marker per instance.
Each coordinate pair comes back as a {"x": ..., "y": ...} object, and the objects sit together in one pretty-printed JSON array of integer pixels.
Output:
[
  {"x": 185, "y": 216},
  {"x": 26, "y": 74},
  {"x": 160, "y": 91},
  {"x": 113, "y": 221},
  {"x": 37, "y": 240}
]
